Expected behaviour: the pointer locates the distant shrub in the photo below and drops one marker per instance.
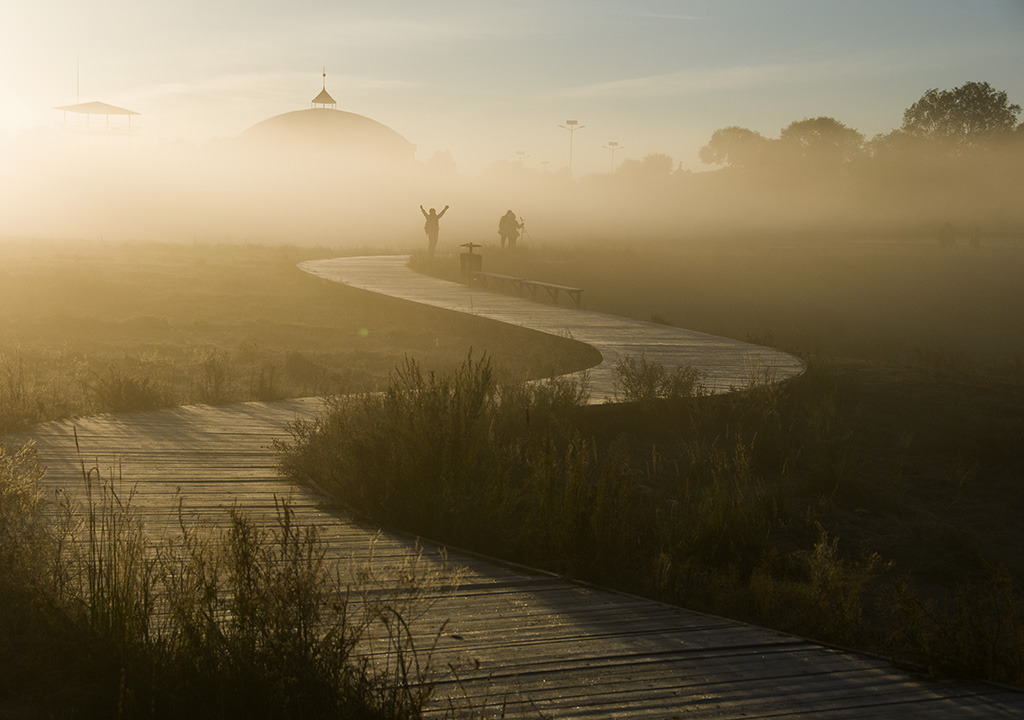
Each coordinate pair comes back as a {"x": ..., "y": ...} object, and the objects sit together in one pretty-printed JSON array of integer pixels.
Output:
[
  {"x": 643, "y": 380},
  {"x": 117, "y": 390},
  {"x": 19, "y": 396},
  {"x": 210, "y": 377},
  {"x": 817, "y": 591},
  {"x": 263, "y": 384}
]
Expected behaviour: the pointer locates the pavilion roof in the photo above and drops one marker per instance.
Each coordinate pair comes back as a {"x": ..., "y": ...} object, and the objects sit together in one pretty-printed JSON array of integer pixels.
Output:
[
  {"x": 324, "y": 98},
  {"x": 96, "y": 108}
]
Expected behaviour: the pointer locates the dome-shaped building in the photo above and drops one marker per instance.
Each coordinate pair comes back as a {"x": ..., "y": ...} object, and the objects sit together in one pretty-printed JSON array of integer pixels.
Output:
[{"x": 329, "y": 133}]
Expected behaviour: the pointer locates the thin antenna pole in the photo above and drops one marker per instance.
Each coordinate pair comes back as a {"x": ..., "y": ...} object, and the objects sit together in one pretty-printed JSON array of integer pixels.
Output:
[
  {"x": 572, "y": 126},
  {"x": 613, "y": 146}
]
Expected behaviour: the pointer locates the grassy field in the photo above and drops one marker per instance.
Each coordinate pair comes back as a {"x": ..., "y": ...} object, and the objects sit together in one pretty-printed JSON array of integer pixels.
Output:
[
  {"x": 873, "y": 502},
  {"x": 903, "y": 302},
  {"x": 97, "y": 620},
  {"x": 94, "y": 327}
]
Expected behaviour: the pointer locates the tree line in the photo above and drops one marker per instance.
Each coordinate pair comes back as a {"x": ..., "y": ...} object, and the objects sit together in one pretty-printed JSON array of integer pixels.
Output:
[
  {"x": 954, "y": 165},
  {"x": 948, "y": 123}
]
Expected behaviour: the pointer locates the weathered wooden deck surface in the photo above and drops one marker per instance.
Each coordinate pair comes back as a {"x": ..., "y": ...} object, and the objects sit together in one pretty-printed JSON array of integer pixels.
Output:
[
  {"x": 727, "y": 364},
  {"x": 523, "y": 643}
]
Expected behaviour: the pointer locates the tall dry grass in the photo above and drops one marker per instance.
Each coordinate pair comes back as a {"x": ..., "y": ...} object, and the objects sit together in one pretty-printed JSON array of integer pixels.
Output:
[
  {"x": 91, "y": 328},
  {"x": 741, "y": 505},
  {"x": 97, "y": 620}
]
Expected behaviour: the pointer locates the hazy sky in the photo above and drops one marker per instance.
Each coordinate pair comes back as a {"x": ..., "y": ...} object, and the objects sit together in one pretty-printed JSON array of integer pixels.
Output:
[{"x": 487, "y": 79}]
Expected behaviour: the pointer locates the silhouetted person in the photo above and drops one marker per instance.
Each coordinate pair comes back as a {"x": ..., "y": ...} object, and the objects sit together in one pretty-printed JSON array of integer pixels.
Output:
[
  {"x": 508, "y": 229},
  {"x": 431, "y": 226}
]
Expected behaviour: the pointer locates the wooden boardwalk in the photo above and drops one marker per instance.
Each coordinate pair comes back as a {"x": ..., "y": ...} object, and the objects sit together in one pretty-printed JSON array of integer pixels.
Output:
[
  {"x": 727, "y": 364},
  {"x": 512, "y": 640}
]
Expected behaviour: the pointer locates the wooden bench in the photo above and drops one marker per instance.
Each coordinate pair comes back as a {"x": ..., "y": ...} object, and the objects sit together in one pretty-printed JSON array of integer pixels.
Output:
[
  {"x": 576, "y": 294},
  {"x": 487, "y": 278},
  {"x": 517, "y": 284}
]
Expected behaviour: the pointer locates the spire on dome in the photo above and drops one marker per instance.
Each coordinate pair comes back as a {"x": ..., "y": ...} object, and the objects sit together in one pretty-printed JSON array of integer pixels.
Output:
[{"x": 324, "y": 98}]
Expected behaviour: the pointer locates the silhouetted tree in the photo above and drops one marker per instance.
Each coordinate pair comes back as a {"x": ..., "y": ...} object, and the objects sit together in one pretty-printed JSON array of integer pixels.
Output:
[
  {"x": 969, "y": 115},
  {"x": 736, "y": 147},
  {"x": 823, "y": 142}
]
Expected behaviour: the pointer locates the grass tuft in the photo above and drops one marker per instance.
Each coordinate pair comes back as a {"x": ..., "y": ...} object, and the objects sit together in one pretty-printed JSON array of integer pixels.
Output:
[{"x": 643, "y": 380}]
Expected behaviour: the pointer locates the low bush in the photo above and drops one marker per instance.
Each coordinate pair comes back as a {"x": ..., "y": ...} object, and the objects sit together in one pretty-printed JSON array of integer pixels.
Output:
[
  {"x": 120, "y": 391},
  {"x": 430, "y": 448},
  {"x": 20, "y": 400},
  {"x": 643, "y": 380}
]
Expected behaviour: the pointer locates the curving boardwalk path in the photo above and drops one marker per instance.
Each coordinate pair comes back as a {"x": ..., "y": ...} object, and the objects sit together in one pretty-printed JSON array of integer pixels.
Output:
[
  {"x": 522, "y": 643},
  {"x": 727, "y": 364}
]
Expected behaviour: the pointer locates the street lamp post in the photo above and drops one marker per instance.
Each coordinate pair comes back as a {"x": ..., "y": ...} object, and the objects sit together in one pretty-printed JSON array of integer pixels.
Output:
[
  {"x": 613, "y": 146},
  {"x": 572, "y": 126}
]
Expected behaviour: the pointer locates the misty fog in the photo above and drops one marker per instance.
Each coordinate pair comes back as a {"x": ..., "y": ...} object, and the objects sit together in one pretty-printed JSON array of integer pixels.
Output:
[{"x": 817, "y": 179}]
